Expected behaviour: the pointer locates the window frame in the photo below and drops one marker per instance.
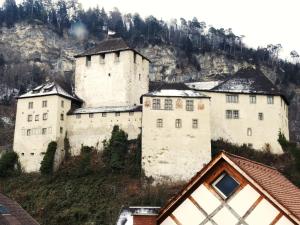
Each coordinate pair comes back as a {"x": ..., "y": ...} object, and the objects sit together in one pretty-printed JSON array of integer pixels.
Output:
[
  {"x": 195, "y": 125},
  {"x": 44, "y": 104},
  {"x": 91, "y": 115},
  {"x": 44, "y": 131},
  {"x": 29, "y": 118},
  {"x": 251, "y": 97},
  {"x": 178, "y": 123},
  {"x": 232, "y": 98},
  {"x": 88, "y": 60},
  {"x": 45, "y": 116},
  {"x": 260, "y": 116},
  {"x": 30, "y": 105},
  {"x": 189, "y": 105},
  {"x": 156, "y": 104},
  {"x": 168, "y": 104},
  {"x": 219, "y": 178},
  {"x": 37, "y": 117},
  {"x": 270, "y": 99},
  {"x": 159, "y": 123}
]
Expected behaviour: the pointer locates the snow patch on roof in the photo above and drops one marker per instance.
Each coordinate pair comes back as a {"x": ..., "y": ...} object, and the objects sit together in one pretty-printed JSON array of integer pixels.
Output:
[
  {"x": 177, "y": 93},
  {"x": 204, "y": 85},
  {"x": 107, "y": 109},
  {"x": 47, "y": 89}
]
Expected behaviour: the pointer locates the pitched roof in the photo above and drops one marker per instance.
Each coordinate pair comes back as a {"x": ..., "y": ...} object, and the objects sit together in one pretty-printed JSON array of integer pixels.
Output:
[
  {"x": 246, "y": 81},
  {"x": 108, "y": 45},
  {"x": 268, "y": 179},
  {"x": 49, "y": 88},
  {"x": 163, "y": 89},
  {"x": 13, "y": 214},
  {"x": 272, "y": 181},
  {"x": 106, "y": 109}
]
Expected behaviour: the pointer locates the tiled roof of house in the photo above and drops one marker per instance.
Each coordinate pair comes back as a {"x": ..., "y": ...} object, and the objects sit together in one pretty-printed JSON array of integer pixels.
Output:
[
  {"x": 272, "y": 181},
  {"x": 109, "y": 45},
  {"x": 268, "y": 178},
  {"x": 106, "y": 109},
  {"x": 11, "y": 213},
  {"x": 156, "y": 86},
  {"x": 49, "y": 88}
]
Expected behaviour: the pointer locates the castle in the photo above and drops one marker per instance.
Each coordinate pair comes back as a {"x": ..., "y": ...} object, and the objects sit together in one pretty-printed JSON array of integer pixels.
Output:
[{"x": 177, "y": 121}]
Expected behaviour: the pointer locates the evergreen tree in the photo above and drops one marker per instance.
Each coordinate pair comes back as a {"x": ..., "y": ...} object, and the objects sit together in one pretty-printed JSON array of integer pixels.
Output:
[{"x": 10, "y": 12}]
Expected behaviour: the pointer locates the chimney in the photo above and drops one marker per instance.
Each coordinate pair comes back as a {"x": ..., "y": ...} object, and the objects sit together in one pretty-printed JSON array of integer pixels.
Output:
[{"x": 144, "y": 215}]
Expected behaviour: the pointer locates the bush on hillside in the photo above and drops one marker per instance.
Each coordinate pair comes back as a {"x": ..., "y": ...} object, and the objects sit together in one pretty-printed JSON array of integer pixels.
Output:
[
  {"x": 47, "y": 164},
  {"x": 135, "y": 158},
  {"x": 115, "y": 149},
  {"x": 67, "y": 147},
  {"x": 8, "y": 162}
]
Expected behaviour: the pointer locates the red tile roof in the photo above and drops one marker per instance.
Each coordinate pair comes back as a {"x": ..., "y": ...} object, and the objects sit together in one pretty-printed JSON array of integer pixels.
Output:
[
  {"x": 271, "y": 181},
  {"x": 14, "y": 214}
]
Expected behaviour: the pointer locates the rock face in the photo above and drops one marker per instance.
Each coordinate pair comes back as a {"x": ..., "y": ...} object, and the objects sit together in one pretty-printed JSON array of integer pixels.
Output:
[{"x": 40, "y": 46}]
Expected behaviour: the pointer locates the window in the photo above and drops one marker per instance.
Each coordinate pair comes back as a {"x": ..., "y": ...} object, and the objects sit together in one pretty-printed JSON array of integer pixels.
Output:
[
  {"x": 30, "y": 105},
  {"x": 61, "y": 116},
  {"x": 232, "y": 98},
  {"x": 37, "y": 117},
  {"x": 102, "y": 58},
  {"x": 178, "y": 123},
  {"x": 32, "y": 153},
  {"x": 131, "y": 113},
  {"x": 28, "y": 132},
  {"x": 252, "y": 99},
  {"x": 270, "y": 99},
  {"x": 78, "y": 116},
  {"x": 91, "y": 115},
  {"x": 134, "y": 58},
  {"x": 189, "y": 105},
  {"x": 225, "y": 185},
  {"x": 168, "y": 104},
  {"x": 236, "y": 114},
  {"x": 195, "y": 123},
  {"x": 44, "y": 131},
  {"x": 249, "y": 132},
  {"x": 159, "y": 123},
  {"x": 109, "y": 74},
  {"x": 117, "y": 114},
  {"x": 260, "y": 116},
  {"x": 88, "y": 61},
  {"x": 117, "y": 56},
  {"x": 139, "y": 76},
  {"x": 44, "y": 104},
  {"x": 62, "y": 103},
  {"x": 61, "y": 130},
  {"x": 250, "y": 145},
  {"x": 232, "y": 114},
  {"x": 45, "y": 116},
  {"x": 104, "y": 114},
  {"x": 29, "y": 118},
  {"x": 156, "y": 104}
]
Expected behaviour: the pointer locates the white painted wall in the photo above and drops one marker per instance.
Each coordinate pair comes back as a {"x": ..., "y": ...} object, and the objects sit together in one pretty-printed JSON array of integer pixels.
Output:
[
  {"x": 170, "y": 153},
  {"x": 235, "y": 130},
  {"x": 93, "y": 131},
  {"x": 122, "y": 87},
  {"x": 31, "y": 148}
]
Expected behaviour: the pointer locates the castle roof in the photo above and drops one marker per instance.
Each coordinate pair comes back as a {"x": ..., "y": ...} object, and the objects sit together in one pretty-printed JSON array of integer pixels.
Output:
[
  {"x": 109, "y": 45},
  {"x": 245, "y": 81},
  {"x": 106, "y": 109},
  {"x": 49, "y": 88},
  {"x": 267, "y": 180},
  {"x": 11, "y": 213},
  {"x": 163, "y": 89}
]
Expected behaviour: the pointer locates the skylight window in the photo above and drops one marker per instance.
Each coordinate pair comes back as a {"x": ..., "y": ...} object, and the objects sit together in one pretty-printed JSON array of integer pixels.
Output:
[
  {"x": 225, "y": 185},
  {"x": 3, "y": 210}
]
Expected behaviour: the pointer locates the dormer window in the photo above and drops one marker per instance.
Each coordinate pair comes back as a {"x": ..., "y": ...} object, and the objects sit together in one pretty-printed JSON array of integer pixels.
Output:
[
  {"x": 117, "y": 56},
  {"x": 102, "y": 58},
  {"x": 225, "y": 185},
  {"x": 88, "y": 61}
]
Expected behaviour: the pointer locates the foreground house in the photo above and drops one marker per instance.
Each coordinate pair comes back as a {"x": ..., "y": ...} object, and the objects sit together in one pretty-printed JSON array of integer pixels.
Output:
[
  {"x": 231, "y": 190},
  {"x": 11, "y": 213}
]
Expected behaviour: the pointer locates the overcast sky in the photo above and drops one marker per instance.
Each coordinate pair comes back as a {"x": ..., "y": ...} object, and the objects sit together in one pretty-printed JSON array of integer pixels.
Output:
[{"x": 261, "y": 21}]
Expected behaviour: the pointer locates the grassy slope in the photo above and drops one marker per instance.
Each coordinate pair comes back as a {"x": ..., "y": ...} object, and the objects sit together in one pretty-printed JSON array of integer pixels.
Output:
[{"x": 70, "y": 199}]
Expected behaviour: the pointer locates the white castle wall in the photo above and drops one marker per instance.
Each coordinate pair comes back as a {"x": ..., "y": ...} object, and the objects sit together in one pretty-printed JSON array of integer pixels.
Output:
[
  {"x": 32, "y": 147},
  {"x": 170, "y": 153},
  {"x": 235, "y": 130},
  {"x": 112, "y": 81},
  {"x": 93, "y": 131}
]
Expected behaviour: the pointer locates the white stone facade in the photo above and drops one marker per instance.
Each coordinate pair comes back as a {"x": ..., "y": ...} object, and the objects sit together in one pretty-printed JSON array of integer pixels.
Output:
[
  {"x": 257, "y": 124},
  {"x": 175, "y": 137}
]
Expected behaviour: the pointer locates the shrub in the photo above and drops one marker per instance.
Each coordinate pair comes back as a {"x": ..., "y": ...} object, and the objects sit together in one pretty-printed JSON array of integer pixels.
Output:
[
  {"x": 115, "y": 150},
  {"x": 67, "y": 147},
  {"x": 47, "y": 164},
  {"x": 7, "y": 163},
  {"x": 135, "y": 159},
  {"x": 85, "y": 167}
]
